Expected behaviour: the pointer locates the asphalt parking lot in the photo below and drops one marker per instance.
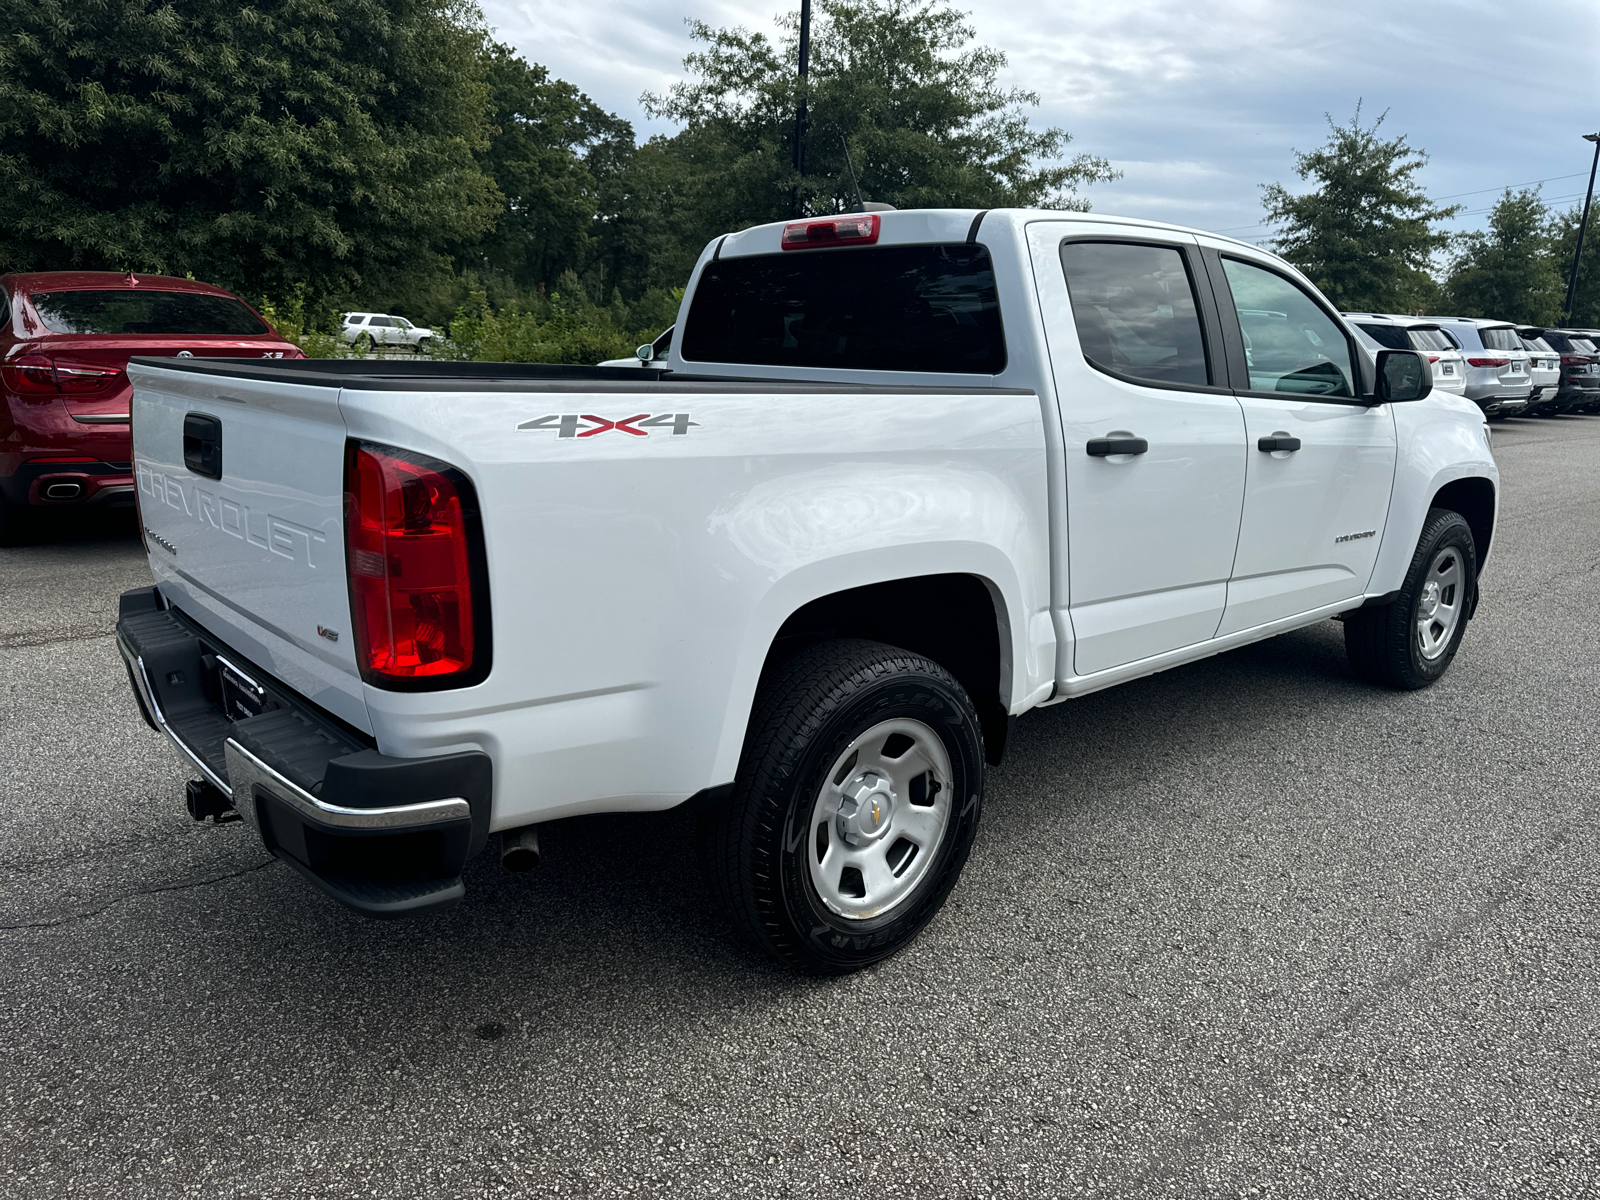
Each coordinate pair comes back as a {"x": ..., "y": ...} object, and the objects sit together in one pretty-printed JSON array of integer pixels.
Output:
[{"x": 1246, "y": 928}]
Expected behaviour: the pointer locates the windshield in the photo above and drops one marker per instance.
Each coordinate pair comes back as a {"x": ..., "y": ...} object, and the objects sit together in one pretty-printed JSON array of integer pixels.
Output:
[
  {"x": 890, "y": 308},
  {"x": 1429, "y": 339},
  {"x": 1500, "y": 337},
  {"x": 124, "y": 310},
  {"x": 1391, "y": 337}
]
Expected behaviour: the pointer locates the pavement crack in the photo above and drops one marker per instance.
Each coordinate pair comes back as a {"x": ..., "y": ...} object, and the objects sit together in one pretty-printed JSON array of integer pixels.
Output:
[{"x": 185, "y": 885}]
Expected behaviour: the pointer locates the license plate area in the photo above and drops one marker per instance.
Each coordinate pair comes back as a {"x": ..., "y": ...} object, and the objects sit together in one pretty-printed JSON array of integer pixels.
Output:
[{"x": 242, "y": 697}]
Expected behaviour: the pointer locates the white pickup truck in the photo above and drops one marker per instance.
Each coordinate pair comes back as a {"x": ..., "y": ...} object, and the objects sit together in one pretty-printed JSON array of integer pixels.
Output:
[{"x": 902, "y": 477}]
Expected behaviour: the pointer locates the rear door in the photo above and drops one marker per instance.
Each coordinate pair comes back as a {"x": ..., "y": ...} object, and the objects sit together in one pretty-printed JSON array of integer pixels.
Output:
[
  {"x": 241, "y": 494},
  {"x": 1320, "y": 462},
  {"x": 1154, "y": 440}
]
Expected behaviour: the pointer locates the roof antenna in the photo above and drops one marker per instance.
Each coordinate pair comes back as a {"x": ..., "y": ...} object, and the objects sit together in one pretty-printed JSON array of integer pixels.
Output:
[{"x": 856, "y": 187}]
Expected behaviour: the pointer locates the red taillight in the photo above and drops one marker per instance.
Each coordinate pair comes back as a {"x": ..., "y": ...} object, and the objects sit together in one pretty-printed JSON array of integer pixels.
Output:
[
  {"x": 414, "y": 558},
  {"x": 1433, "y": 358},
  {"x": 1489, "y": 362},
  {"x": 855, "y": 230},
  {"x": 39, "y": 374},
  {"x": 1572, "y": 360},
  {"x": 30, "y": 373}
]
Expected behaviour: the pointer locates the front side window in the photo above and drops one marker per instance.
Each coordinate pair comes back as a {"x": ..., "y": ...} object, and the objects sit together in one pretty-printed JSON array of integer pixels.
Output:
[
  {"x": 883, "y": 308},
  {"x": 127, "y": 311},
  {"x": 1291, "y": 345},
  {"x": 1135, "y": 311}
]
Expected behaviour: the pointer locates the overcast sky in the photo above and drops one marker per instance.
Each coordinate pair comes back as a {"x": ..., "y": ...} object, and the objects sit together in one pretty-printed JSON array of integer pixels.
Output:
[{"x": 1199, "y": 104}]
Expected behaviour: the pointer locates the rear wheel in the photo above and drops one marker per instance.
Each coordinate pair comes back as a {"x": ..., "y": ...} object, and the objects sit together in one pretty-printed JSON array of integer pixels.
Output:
[
  {"x": 1411, "y": 642},
  {"x": 855, "y": 807},
  {"x": 364, "y": 343}
]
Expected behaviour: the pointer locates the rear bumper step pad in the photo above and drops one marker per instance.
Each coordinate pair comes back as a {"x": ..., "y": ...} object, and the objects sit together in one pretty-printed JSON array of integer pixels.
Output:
[{"x": 385, "y": 836}]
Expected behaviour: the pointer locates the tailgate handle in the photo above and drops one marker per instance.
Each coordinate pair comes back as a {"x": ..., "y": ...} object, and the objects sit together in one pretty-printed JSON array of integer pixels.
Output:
[{"x": 202, "y": 445}]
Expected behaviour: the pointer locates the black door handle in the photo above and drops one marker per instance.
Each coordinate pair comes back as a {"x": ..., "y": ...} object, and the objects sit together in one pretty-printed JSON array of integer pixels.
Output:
[
  {"x": 1100, "y": 447},
  {"x": 1270, "y": 444}
]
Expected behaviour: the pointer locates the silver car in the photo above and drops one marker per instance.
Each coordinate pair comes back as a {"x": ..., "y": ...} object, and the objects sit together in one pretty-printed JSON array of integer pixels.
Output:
[
  {"x": 1497, "y": 366},
  {"x": 1544, "y": 366},
  {"x": 1415, "y": 333}
]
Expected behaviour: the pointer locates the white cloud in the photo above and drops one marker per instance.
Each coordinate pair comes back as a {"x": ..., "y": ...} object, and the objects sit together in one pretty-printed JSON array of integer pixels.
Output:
[{"x": 1199, "y": 104}]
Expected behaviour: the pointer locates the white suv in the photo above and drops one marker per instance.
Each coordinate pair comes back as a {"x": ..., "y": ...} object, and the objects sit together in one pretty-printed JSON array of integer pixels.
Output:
[
  {"x": 1413, "y": 333},
  {"x": 1498, "y": 379},
  {"x": 368, "y": 330}
]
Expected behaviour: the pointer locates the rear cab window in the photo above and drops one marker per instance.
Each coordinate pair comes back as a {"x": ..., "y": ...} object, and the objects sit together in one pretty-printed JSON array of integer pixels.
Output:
[
  {"x": 929, "y": 308},
  {"x": 119, "y": 311}
]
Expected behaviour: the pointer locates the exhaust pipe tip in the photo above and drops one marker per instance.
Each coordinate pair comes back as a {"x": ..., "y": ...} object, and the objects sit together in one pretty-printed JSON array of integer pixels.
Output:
[
  {"x": 63, "y": 491},
  {"x": 519, "y": 849}
]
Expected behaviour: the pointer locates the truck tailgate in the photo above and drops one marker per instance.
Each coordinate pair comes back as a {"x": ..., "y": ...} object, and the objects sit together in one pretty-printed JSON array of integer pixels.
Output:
[{"x": 241, "y": 494}]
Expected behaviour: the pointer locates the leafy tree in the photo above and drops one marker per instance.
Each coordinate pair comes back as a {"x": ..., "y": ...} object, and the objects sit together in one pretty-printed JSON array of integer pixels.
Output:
[
  {"x": 1509, "y": 271},
  {"x": 550, "y": 145},
  {"x": 1563, "y": 234},
  {"x": 261, "y": 146},
  {"x": 1365, "y": 233},
  {"x": 898, "y": 81}
]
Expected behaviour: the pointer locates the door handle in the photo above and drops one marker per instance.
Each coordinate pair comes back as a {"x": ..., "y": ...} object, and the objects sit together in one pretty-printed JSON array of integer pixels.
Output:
[
  {"x": 1101, "y": 447},
  {"x": 1269, "y": 444}
]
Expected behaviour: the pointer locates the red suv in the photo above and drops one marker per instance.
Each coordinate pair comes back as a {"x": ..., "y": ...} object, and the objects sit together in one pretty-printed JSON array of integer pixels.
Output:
[{"x": 65, "y": 341}]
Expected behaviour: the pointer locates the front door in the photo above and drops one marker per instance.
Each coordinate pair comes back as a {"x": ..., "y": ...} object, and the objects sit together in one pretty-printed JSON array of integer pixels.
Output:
[
  {"x": 1153, "y": 439},
  {"x": 1321, "y": 462}
]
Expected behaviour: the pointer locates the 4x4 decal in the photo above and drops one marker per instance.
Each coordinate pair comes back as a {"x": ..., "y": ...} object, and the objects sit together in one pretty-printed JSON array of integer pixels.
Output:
[{"x": 566, "y": 424}]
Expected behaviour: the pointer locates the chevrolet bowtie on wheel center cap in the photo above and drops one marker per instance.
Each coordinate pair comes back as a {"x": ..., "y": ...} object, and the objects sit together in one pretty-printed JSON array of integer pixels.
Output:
[{"x": 879, "y": 818}]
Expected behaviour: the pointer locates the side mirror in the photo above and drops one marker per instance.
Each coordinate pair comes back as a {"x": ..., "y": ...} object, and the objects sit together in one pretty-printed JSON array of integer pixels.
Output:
[
  {"x": 645, "y": 353},
  {"x": 1402, "y": 375}
]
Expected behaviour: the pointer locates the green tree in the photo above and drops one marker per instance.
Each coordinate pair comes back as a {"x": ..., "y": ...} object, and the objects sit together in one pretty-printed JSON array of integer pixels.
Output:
[
  {"x": 261, "y": 146},
  {"x": 1509, "y": 270},
  {"x": 1563, "y": 234},
  {"x": 898, "y": 81},
  {"x": 1365, "y": 232},
  {"x": 549, "y": 147}
]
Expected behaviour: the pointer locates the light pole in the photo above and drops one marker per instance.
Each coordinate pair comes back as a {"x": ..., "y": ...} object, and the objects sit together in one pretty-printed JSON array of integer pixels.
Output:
[
  {"x": 1583, "y": 222},
  {"x": 800, "y": 112}
]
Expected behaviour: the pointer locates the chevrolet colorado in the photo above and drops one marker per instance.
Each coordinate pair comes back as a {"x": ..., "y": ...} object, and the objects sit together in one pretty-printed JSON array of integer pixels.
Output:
[{"x": 900, "y": 478}]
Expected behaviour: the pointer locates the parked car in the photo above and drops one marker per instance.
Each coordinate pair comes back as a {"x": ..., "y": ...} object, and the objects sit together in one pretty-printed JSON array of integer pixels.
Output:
[
  {"x": 1497, "y": 366},
  {"x": 1580, "y": 368},
  {"x": 367, "y": 331},
  {"x": 65, "y": 341},
  {"x": 1412, "y": 333},
  {"x": 1544, "y": 367},
  {"x": 801, "y": 576},
  {"x": 651, "y": 354}
]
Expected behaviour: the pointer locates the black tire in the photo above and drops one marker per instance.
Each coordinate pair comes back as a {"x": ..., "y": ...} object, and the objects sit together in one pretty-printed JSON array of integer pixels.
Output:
[
  {"x": 807, "y": 713},
  {"x": 1383, "y": 643}
]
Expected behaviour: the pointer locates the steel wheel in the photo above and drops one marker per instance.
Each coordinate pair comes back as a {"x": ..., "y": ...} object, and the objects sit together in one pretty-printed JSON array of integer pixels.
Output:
[
  {"x": 878, "y": 820},
  {"x": 1440, "y": 603}
]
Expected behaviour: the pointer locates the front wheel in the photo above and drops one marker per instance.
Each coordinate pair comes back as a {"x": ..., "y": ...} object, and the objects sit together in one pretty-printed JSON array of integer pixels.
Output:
[
  {"x": 1411, "y": 642},
  {"x": 856, "y": 804}
]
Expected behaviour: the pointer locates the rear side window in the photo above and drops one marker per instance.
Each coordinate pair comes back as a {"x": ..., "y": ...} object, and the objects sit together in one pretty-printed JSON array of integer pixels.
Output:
[
  {"x": 128, "y": 311},
  {"x": 890, "y": 308},
  {"x": 1429, "y": 339},
  {"x": 1500, "y": 338},
  {"x": 1135, "y": 311},
  {"x": 1391, "y": 337}
]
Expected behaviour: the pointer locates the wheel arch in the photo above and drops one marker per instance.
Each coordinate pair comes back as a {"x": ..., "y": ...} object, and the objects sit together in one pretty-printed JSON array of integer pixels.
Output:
[{"x": 1474, "y": 498}]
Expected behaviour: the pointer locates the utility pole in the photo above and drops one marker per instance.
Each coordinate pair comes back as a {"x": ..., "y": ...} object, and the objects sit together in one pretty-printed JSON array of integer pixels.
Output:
[
  {"x": 800, "y": 112},
  {"x": 1583, "y": 222}
]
